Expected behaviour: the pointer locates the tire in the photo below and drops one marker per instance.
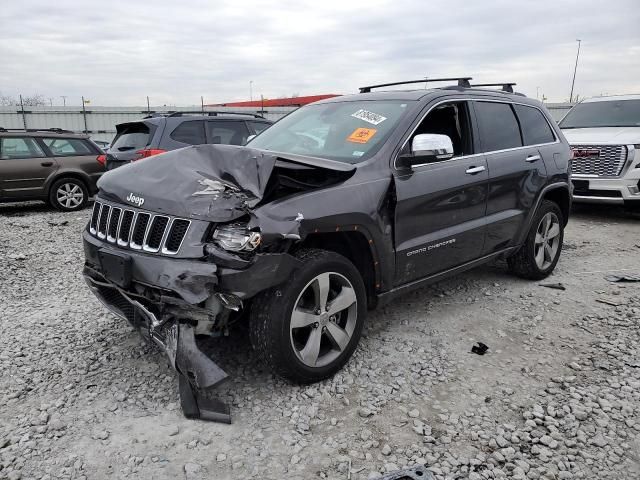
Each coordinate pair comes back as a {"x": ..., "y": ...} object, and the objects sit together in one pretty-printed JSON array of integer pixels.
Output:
[
  {"x": 289, "y": 352},
  {"x": 68, "y": 194},
  {"x": 524, "y": 263}
]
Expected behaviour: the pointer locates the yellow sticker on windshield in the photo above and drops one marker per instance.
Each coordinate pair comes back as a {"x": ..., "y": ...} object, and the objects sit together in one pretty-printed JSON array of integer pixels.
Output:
[{"x": 361, "y": 135}]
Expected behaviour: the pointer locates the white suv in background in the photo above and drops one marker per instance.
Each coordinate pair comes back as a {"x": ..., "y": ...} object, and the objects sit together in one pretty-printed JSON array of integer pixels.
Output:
[{"x": 604, "y": 134}]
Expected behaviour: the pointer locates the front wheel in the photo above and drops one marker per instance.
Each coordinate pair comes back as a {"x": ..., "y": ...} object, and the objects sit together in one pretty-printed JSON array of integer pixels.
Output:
[
  {"x": 539, "y": 255},
  {"x": 306, "y": 329}
]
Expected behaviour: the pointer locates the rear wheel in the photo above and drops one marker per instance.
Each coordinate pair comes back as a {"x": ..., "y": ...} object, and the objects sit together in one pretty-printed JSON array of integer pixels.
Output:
[
  {"x": 539, "y": 255},
  {"x": 68, "y": 194},
  {"x": 307, "y": 329}
]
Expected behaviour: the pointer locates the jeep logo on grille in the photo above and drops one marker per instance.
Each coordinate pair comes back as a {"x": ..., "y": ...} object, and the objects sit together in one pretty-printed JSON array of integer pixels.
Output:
[
  {"x": 138, "y": 201},
  {"x": 586, "y": 152}
]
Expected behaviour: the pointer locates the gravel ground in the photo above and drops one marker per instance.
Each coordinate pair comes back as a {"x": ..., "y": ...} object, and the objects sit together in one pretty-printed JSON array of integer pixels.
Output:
[{"x": 557, "y": 396}]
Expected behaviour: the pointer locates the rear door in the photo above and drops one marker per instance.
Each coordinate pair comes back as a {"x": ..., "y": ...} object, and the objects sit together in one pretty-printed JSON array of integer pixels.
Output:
[
  {"x": 24, "y": 168},
  {"x": 440, "y": 209},
  {"x": 516, "y": 172},
  {"x": 75, "y": 154}
]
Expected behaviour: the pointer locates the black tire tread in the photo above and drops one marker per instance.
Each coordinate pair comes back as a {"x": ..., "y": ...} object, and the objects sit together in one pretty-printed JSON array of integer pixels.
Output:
[
  {"x": 522, "y": 263},
  {"x": 263, "y": 340}
]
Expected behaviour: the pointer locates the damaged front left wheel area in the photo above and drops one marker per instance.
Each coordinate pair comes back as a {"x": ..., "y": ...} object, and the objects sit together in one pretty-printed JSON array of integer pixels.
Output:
[{"x": 306, "y": 329}]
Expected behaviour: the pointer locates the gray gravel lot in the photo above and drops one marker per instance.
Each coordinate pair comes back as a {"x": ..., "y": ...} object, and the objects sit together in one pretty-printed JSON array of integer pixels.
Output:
[{"x": 556, "y": 397}]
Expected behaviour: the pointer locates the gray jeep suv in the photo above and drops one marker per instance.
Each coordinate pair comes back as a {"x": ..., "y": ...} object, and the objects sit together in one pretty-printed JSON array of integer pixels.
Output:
[{"x": 340, "y": 206}]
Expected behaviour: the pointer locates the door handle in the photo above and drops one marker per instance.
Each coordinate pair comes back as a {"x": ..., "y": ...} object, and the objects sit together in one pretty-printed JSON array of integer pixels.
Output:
[
  {"x": 532, "y": 158},
  {"x": 46, "y": 164},
  {"x": 474, "y": 170}
]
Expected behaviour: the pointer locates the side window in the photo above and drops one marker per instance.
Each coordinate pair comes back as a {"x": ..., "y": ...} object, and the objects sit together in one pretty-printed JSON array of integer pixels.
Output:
[
  {"x": 258, "y": 127},
  {"x": 67, "y": 146},
  {"x": 190, "y": 132},
  {"x": 15, "y": 147},
  {"x": 227, "y": 132},
  {"x": 535, "y": 128},
  {"x": 498, "y": 126},
  {"x": 452, "y": 120}
]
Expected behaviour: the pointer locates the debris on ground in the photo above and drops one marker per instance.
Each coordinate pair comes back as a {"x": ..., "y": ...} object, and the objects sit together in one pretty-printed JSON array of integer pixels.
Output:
[
  {"x": 479, "y": 348},
  {"x": 623, "y": 278},
  {"x": 555, "y": 286},
  {"x": 558, "y": 396}
]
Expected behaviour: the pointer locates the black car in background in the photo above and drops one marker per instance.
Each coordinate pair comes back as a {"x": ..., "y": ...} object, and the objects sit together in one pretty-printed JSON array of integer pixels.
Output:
[{"x": 158, "y": 134}]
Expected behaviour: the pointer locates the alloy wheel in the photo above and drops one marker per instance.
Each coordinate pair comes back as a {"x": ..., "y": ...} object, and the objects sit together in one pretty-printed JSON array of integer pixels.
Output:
[
  {"x": 69, "y": 195},
  {"x": 547, "y": 241},
  {"x": 323, "y": 319}
]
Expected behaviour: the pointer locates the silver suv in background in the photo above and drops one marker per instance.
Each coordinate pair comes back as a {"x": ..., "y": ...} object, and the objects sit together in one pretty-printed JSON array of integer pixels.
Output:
[{"x": 604, "y": 134}]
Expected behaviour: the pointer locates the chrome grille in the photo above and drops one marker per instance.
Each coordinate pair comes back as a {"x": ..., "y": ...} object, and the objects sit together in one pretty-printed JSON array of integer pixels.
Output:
[
  {"x": 139, "y": 230},
  {"x": 608, "y": 163}
]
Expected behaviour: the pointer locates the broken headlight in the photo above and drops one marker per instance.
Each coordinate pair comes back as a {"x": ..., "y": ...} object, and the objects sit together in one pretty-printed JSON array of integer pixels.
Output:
[{"x": 236, "y": 238}]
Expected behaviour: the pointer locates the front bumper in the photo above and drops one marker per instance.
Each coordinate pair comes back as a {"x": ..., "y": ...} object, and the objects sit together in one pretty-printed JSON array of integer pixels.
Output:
[
  {"x": 165, "y": 299},
  {"x": 195, "y": 280},
  {"x": 616, "y": 191}
]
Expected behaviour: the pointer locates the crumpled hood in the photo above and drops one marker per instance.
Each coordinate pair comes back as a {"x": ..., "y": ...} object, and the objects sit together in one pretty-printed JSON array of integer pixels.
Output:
[
  {"x": 216, "y": 183},
  {"x": 603, "y": 135}
]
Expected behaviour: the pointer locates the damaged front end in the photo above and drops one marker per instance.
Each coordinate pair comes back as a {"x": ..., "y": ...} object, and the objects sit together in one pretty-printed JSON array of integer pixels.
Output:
[{"x": 178, "y": 243}]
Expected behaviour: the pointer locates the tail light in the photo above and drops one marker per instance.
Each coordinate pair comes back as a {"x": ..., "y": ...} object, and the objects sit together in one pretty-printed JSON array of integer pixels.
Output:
[
  {"x": 101, "y": 159},
  {"x": 148, "y": 152}
]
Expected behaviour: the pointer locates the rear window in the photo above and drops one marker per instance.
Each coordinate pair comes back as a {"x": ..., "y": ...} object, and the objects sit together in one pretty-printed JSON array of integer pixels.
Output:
[
  {"x": 499, "y": 128},
  {"x": 67, "y": 146},
  {"x": 191, "y": 133},
  {"x": 535, "y": 128},
  {"x": 133, "y": 136}
]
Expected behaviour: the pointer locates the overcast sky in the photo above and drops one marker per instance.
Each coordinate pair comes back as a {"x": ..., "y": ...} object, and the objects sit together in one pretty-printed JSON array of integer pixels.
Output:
[{"x": 118, "y": 52}]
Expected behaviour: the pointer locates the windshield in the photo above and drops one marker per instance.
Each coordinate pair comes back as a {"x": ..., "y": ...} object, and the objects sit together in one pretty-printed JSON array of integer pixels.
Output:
[
  {"x": 620, "y": 113},
  {"x": 348, "y": 132}
]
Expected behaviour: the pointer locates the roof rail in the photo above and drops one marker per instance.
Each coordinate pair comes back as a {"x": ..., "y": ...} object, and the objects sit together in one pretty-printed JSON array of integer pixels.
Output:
[
  {"x": 506, "y": 87},
  {"x": 462, "y": 82},
  {"x": 211, "y": 113},
  {"x": 53, "y": 130}
]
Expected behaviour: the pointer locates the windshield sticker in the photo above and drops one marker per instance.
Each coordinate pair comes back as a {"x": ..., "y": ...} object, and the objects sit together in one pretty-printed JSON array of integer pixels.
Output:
[
  {"x": 369, "y": 117},
  {"x": 357, "y": 153},
  {"x": 361, "y": 135}
]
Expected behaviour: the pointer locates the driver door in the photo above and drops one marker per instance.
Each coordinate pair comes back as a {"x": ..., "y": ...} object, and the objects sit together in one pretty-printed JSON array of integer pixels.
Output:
[{"x": 441, "y": 206}]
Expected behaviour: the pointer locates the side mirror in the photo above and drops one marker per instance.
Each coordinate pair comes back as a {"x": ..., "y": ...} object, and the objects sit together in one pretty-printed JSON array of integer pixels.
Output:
[{"x": 426, "y": 148}]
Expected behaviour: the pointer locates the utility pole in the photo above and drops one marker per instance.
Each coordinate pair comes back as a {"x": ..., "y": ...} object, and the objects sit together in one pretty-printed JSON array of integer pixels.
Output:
[
  {"x": 50, "y": 101},
  {"x": 24, "y": 116},
  {"x": 574, "y": 71},
  {"x": 251, "y": 90},
  {"x": 202, "y": 103},
  {"x": 148, "y": 107},
  {"x": 84, "y": 113},
  {"x": 64, "y": 100}
]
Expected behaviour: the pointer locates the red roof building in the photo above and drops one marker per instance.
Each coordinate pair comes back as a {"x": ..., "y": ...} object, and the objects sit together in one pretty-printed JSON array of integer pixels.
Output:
[{"x": 276, "y": 102}]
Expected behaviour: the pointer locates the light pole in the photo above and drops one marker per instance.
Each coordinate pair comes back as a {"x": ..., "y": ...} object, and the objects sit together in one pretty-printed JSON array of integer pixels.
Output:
[
  {"x": 574, "y": 71},
  {"x": 251, "y": 90},
  {"x": 64, "y": 100}
]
